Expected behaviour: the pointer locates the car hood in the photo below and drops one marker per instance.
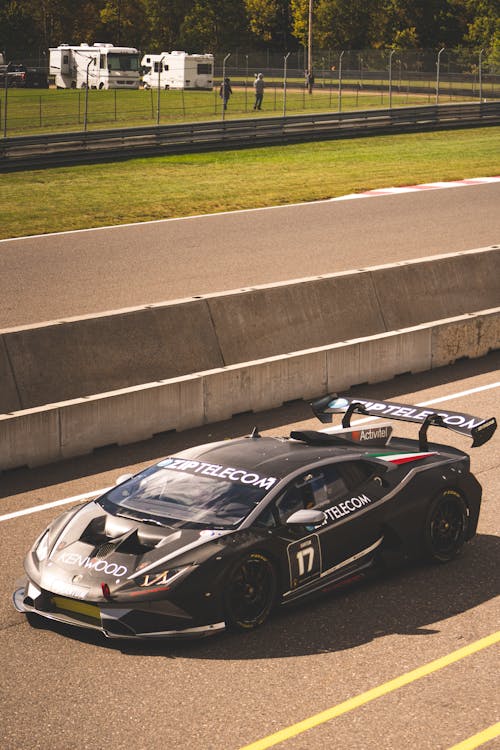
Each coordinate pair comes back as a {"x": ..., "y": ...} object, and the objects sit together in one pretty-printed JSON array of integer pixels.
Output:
[{"x": 90, "y": 547}]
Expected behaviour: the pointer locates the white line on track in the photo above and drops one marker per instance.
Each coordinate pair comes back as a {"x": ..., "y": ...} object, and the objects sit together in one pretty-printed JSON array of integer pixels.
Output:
[
  {"x": 45, "y": 506},
  {"x": 95, "y": 493}
]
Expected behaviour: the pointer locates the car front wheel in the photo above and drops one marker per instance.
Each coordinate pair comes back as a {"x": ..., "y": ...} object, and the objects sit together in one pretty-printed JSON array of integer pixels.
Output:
[
  {"x": 250, "y": 592},
  {"x": 445, "y": 527}
]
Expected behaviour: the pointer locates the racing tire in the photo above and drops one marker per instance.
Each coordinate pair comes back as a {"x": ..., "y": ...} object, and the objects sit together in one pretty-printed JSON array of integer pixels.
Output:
[
  {"x": 445, "y": 527},
  {"x": 34, "y": 620},
  {"x": 250, "y": 592}
]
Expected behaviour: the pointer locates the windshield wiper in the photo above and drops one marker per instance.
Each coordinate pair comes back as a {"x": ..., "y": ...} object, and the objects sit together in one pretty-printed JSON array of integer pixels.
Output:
[{"x": 149, "y": 520}]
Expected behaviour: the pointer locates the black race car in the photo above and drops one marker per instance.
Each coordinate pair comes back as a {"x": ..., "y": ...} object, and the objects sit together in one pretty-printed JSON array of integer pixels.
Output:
[{"x": 215, "y": 536}]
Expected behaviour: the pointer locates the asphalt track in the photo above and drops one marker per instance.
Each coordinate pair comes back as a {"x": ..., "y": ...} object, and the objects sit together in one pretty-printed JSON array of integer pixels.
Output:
[
  {"x": 56, "y": 276},
  {"x": 68, "y": 689}
]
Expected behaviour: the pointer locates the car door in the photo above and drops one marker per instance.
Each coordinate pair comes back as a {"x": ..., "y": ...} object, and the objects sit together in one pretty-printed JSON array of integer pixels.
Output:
[
  {"x": 352, "y": 528},
  {"x": 302, "y": 543}
]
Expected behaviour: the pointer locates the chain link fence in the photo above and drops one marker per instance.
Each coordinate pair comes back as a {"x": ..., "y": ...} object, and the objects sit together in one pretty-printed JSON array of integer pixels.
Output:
[{"x": 345, "y": 79}]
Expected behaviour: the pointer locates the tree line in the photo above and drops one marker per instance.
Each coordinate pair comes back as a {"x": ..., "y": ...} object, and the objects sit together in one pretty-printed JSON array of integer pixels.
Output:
[{"x": 29, "y": 27}]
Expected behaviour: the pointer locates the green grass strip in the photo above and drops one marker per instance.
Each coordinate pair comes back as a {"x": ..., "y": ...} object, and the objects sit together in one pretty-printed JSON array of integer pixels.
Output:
[{"x": 58, "y": 199}]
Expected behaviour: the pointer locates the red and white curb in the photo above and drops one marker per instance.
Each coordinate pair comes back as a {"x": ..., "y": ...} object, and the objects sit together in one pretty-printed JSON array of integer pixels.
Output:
[{"x": 417, "y": 188}]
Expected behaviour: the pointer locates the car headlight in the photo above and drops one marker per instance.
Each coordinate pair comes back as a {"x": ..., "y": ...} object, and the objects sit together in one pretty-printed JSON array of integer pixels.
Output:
[
  {"x": 163, "y": 577},
  {"x": 41, "y": 548}
]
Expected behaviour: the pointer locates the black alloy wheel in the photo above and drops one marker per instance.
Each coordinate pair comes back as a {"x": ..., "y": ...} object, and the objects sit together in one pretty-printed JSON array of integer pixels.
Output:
[
  {"x": 250, "y": 592},
  {"x": 446, "y": 526}
]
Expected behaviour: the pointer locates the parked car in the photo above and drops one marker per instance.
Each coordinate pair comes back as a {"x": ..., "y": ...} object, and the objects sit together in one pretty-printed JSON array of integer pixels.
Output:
[{"x": 20, "y": 76}]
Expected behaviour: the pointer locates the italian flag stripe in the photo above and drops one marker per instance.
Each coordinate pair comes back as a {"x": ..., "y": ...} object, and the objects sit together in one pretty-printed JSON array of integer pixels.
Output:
[{"x": 402, "y": 458}]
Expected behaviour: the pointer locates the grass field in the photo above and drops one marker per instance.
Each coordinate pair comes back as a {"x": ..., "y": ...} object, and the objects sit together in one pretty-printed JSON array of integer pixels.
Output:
[{"x": 51, "y": 200}]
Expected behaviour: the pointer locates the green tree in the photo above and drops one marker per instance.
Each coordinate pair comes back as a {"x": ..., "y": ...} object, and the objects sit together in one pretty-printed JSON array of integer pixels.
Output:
[
  {"x": 215, "y": 26},
  {"x": 426, "y": 24},
  {"x": 269, "y": 22},
  {"x": 483, "y": 27},
  {"x": 346, "y": 25},
  {"x": 300, "y": 23},
  {"x": 164, "y": 19},
  {"x": 19, "y": 36},
  {"x": 124, "y": 22}
]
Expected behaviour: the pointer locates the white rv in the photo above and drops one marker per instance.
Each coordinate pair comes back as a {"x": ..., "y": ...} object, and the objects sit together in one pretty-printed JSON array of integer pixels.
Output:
[
  {"x": 98, "y": 66},
  {"x": 178, "y": 70}
]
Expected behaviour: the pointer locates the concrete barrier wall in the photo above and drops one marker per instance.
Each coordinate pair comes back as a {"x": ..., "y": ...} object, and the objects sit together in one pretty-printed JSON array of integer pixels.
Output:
[
  {"x": 30, "y": 438},
  {"x": 281, "y": 318},
  {"x": 82, "y": 356},
  {"x": 9, "y": 397},
  {"x": 141, "y": 411},
  {"x": 69, "y": 359},
  {"x": 46, "y": 434},
  {"x": 436, "y": 288}
]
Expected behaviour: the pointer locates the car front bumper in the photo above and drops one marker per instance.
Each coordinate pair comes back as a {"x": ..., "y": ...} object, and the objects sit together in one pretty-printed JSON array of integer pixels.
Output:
[{"x": 111, "y": 621}]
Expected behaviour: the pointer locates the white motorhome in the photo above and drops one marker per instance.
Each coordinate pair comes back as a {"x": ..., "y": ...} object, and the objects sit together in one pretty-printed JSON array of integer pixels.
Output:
[
  {"x": 178, "y": 70},
  {"x": 98, "y": 66}
]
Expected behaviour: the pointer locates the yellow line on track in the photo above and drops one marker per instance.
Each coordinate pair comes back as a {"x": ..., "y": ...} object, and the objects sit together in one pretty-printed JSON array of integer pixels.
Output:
[
  {"x": 479, "y": 739},
  {"x": 377, "y": 692}
]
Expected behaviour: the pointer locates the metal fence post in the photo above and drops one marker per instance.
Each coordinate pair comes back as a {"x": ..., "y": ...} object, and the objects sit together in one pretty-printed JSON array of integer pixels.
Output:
[
  {"x": 284, "y": 82},
  {"x": 481, "y": 75},
  {"x": 5, "y": 100},
  {"x": 437, "y": 73},
  {"x": 85, "y": 114},
  {"x": 390, "y": 77},
  {"x": 340, "y": 79},
  {"x": 158, "y": 94},
  {"x": 246, "y": 84}
]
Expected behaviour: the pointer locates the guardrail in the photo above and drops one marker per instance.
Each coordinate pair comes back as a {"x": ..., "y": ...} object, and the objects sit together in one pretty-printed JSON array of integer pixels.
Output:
[{"x": 53, "y": 149}]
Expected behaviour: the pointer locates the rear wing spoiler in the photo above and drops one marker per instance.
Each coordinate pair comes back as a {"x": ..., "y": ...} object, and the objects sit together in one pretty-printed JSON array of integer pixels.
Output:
[{"x": 480, "y": 430}]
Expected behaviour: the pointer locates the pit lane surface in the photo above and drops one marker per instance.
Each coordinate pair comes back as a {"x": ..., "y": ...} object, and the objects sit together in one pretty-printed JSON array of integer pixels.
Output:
[
  {"x": 75, "y": 273},
  {"x": 71, "y": 689}
]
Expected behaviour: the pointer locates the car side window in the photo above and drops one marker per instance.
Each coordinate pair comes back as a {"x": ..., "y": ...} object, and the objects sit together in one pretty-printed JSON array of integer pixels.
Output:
[
  {"x": 267, "y": 518},
  {"x": 355, "y": 473},
  {"x": 304, "y": 492},
  {"x": 335, "y": 485},
  {"x": 321, "y": 487}
]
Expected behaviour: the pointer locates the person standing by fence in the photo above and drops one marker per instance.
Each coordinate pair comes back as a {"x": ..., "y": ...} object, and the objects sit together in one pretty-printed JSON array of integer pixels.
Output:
[
  {"x": 225, "y": 91},
  {"x": 258, "y": 85}
]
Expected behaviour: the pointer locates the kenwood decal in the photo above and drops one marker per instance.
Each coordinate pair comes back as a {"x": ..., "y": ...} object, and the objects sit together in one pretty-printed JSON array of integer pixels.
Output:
[{"x": 100, "y": 566}]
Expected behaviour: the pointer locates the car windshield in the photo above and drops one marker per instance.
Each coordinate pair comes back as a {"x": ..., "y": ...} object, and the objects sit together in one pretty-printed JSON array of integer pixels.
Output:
[{"x": 186, "y": 499}]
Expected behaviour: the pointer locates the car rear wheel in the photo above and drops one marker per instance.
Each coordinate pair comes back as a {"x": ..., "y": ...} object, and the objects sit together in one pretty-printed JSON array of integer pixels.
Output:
[
  {"x": 250, "y": 592},
  {"x": 445, "y": 527}
]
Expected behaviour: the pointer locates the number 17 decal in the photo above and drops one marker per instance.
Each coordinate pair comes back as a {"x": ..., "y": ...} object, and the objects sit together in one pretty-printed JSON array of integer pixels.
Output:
[{"x": 304, "y": 559}]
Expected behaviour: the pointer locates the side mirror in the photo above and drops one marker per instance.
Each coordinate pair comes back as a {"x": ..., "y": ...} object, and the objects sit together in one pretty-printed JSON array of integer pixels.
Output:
[
  {"x": 307, "y": 518},
  {"x": 123, "y": 478}
]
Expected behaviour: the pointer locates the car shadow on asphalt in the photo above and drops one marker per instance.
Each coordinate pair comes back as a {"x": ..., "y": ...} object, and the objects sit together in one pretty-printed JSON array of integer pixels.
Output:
[{"x": 411, "y": 600}]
